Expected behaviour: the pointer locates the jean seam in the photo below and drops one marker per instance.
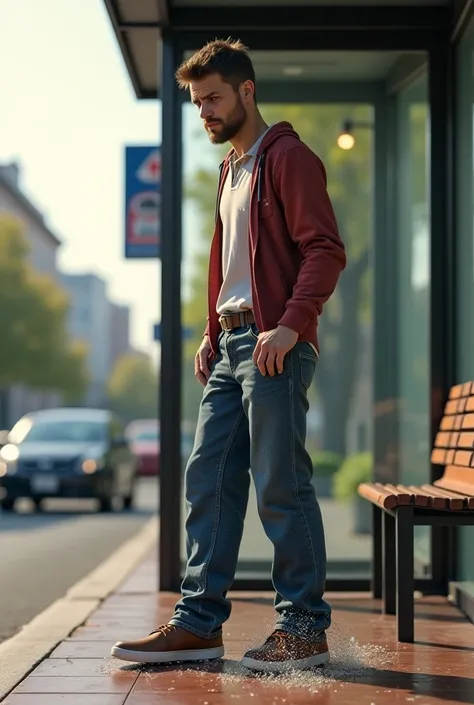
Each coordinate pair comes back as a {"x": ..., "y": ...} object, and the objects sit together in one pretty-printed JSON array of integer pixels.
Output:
[
  {"x": 220, "y": 476},
  {"x": 228, "y": 349},
  {"x": 295, "y": 479},
  {"x": 313, "y": 359}
]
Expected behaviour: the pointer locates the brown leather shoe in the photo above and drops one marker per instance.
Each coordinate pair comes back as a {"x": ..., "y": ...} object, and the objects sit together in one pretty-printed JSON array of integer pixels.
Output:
[
  {"x": 168, "y": 644},
  {"x": 283, "y": 651}
]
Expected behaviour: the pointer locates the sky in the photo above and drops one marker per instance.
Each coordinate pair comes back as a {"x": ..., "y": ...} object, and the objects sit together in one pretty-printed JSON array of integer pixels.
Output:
[{"x": 67, "y": 110}]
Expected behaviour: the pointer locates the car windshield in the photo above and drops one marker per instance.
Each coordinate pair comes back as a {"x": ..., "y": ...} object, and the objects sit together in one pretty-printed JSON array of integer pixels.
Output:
[
  {"x": 67, "y": 431},
  {"x": 147, "y": 436}
]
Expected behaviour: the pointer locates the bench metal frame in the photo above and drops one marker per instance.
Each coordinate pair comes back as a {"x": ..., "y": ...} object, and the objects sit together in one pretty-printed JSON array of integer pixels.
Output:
[{"x": 393, "y": 554}]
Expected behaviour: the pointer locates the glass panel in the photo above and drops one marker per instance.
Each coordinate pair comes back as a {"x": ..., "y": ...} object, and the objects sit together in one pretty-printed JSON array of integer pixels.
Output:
[
  {"x": 339, "y": 426},
  {"x": 413, "y": 238},
  {"x": 465, "y": 250}
]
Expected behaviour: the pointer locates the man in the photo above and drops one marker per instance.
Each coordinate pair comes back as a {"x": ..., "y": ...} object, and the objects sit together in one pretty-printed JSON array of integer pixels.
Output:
[{"x": 275, "y": 260}]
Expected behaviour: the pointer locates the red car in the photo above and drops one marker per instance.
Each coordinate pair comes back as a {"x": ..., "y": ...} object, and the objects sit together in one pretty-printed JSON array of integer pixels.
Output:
[{"x": 144, "y": 438}]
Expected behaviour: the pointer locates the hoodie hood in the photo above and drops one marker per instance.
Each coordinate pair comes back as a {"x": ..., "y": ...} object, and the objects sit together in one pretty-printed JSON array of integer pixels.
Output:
[{"x": 279, "y": 129}]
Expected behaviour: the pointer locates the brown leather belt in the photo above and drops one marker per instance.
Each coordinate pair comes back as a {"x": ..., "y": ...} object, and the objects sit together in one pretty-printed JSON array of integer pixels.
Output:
[{"x": 230, "y": 321}]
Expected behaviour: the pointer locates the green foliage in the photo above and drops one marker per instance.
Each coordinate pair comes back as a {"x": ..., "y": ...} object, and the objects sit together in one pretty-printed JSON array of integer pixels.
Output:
[
  {"x": 355, "y": 469},
  {"x": 35, "y": 349},
  {"x": 325, "y": 463},
  {"x": 133, "y": 388}
]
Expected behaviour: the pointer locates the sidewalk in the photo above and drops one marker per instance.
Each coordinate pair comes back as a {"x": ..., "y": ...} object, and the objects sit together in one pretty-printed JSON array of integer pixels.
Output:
[{"x": 368, "y": 667}]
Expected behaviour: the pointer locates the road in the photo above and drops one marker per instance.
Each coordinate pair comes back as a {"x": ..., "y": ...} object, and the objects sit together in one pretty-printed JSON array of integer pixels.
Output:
[{"x": 43, "y": 554}]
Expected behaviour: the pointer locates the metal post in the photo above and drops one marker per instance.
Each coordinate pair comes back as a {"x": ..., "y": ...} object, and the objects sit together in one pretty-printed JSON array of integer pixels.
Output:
[
  {"x": 170, "y": 380},
  {"x": 384, "y": 294},
  {"x": 389, "y": 575},
  {"x": 404, "y": 549},
  {"x": 377, "y": 551},
  {"x": 443, "y": 282}
]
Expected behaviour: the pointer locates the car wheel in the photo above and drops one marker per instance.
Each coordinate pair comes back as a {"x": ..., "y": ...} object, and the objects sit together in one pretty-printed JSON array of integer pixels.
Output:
[
  {"x": 38, "y": 504},
  {"x": 128, "y": 501},
  {"x": 7, "y": 505},
  {"x": 105, "y": 504}
]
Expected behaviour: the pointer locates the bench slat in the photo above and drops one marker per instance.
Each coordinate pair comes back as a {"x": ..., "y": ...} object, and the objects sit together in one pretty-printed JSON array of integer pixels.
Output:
[
  {"x": 463, "y": 458},
  {"x": 461, "y": 440},
  {"x": 438, "y": 456},
  {"x": 443, "y": 439},
  {"x": 456, "y": 391},
  {"x": 453, "y": 474},
  {"x": 418, "y": 496},
  {"x": 451, "y": 407},
  {"x": 469, "y": 406},
  {"x": 467, "y": 421},
  {"x": 435, "y": 502},
  {"x": 377, "y": 494},
  {"x": 455, "y": 502},
  {"x": 390, "y": 496},
  {"x": 461, "y": 489},
  {"x": 447, "y": 423},
  {"x": 403, "y": 497}
]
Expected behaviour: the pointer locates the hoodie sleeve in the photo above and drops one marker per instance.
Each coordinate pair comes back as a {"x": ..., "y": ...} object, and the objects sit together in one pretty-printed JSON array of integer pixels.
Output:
[{"x": 300, "y": 180}]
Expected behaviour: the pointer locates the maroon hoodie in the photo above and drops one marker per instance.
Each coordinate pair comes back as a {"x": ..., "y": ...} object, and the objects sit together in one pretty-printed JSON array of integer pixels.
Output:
[{"x": 296, "y": 254}]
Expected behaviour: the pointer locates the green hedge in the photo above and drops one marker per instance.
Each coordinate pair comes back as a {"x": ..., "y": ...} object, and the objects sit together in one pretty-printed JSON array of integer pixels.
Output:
[
  {"x": 325, "y": 463},
  {"x": 355, "y": 469}
]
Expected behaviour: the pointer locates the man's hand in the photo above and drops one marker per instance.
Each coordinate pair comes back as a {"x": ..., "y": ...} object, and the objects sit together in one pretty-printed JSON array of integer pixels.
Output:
[
  {"x": 201, "y": 361},
  {"x": 271, "y": 348}
]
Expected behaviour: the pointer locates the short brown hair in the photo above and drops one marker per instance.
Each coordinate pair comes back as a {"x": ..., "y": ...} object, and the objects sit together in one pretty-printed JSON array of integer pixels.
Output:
[{"x": 227, "y": 57}]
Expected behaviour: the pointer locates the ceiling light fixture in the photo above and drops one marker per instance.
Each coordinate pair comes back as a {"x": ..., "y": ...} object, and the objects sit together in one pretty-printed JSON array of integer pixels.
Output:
[{"x": 293, "y": 70}]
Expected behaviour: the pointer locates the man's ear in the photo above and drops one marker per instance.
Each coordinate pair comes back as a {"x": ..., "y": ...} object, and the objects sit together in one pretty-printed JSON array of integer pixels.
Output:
[{"x": 248, "y": 89}]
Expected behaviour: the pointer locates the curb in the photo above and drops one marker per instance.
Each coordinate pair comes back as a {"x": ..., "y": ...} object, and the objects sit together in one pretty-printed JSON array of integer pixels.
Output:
[{"x": 37, "y": 639}]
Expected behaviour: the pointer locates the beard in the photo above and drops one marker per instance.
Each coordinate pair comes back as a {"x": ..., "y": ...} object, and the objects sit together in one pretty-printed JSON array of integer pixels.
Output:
[{"x": 228, "y": 128}]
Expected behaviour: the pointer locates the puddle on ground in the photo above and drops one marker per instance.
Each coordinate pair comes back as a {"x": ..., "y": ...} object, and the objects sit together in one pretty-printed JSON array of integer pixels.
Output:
[{"x": 349, "y": 661}]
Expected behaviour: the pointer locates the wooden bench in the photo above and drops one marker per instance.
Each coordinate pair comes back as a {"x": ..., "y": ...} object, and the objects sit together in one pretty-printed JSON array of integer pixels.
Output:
[{"x": 449, "y": 501}]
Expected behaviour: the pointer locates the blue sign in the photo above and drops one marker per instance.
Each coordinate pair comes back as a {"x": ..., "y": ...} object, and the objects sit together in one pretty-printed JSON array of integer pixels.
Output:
[
  {"x": 187, "y": 333},
  {"x": 142, "y": 202}
]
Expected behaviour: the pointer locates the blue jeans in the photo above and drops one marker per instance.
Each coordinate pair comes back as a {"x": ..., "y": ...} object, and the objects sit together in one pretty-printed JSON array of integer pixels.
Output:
[{"x": 250, "y": 421}]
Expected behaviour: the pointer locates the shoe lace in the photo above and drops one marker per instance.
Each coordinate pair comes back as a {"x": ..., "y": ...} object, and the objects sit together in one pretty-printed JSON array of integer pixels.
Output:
[
  {"x": 164, "y": 629},
  {"x": 278, "y": 636}
]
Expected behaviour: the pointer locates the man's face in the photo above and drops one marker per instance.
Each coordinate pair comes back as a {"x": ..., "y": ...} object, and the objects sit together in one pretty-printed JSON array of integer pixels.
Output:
[{"x": 221, "y": 108}]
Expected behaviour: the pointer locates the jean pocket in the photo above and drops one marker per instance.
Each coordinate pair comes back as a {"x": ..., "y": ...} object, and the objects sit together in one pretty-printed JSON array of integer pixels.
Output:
[
  {"x": 253, "y": 330},
  {"x": 307, "y": 360}
]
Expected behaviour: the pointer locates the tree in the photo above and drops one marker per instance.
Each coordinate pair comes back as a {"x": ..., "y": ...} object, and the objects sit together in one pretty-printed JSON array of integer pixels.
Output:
[
  {"x": 133, "y": 388},
  {"x": 349, "y": 184},
  {"x": 35, "y": 349}
]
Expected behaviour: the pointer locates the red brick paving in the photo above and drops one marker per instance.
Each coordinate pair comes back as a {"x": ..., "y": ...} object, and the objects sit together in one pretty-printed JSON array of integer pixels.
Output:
[{"x": 368, "y": 666}]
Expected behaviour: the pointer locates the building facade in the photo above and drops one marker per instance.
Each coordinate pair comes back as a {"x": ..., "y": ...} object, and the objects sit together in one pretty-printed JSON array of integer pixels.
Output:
[
  {"x": 89, "y": 321},
  {"x": 43, "y": 250},
  {"x": 119, "y": 332}
]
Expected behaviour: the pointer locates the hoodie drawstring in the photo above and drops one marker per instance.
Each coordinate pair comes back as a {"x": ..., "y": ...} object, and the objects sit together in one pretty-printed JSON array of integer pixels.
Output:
[
  {"x": 261, "y": 164},
  {"x": 216, "y": 211}
]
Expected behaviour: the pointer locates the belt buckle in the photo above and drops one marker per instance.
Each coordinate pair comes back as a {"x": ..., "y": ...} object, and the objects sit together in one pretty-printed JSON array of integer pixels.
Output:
[{"x": 224, "y": 324}]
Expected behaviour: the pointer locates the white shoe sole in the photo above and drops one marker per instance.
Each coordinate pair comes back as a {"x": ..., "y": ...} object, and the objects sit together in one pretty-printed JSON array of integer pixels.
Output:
[
  {"x": 282, "y": 666},
  {"x": 167, "y": 656}
]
